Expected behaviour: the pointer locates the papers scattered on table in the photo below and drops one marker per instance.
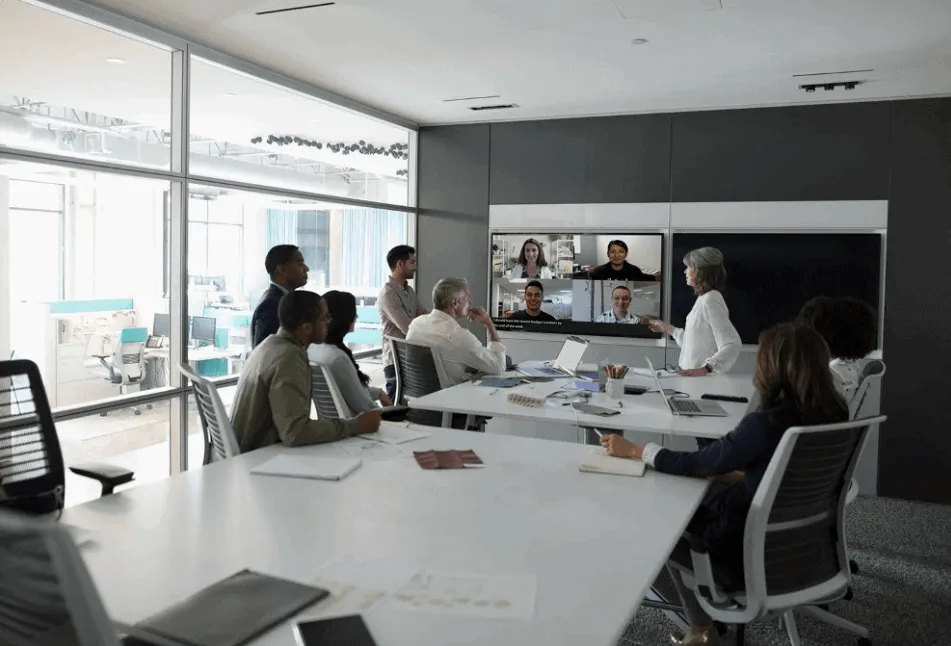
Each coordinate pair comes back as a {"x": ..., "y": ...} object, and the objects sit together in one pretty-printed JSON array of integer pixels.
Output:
[
  {"x": 345, "y": 599},
  {"x": 395, "y": 433},
  {"x": 493, "y": 597},
  {"x": 598, "y": 461},
  {"x": 315, "y": 467},
  {"x": 589, "y": 386},
  {"x": 370, "y": 450}
]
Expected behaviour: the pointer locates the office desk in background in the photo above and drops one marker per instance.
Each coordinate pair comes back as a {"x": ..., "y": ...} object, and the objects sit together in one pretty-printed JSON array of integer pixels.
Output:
[
  {"x": 594, "y": 543},
  {"x": 647, "y": 413}
]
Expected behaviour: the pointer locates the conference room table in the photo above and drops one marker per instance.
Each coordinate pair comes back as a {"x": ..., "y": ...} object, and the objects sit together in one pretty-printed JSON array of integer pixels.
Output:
[
  {"x": 646, "y": 413},
  {"x": 593, "y": 543}
]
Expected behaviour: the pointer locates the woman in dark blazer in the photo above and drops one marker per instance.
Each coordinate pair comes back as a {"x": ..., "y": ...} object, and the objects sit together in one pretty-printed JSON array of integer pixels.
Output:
[{"x": 796, "y": 386}]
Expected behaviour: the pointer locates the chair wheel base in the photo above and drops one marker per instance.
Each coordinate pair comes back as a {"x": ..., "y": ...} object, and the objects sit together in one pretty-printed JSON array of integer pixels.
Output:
[
  {"x": 136, "y": 411},
  {"x": 103, "y": 414},
  {"x": 853, "y": 567}
]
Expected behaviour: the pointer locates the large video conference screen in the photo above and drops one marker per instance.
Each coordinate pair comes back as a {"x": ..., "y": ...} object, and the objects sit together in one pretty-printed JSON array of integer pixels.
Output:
[
  {"x": 597, "y": 284},
  {"x": 770, "y": 276}
]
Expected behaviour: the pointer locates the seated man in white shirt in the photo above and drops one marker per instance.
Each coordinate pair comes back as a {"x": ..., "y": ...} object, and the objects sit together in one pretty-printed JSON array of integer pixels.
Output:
[
  {"x": 620, "y": 313},
  {"x": 461, "y": 350}
]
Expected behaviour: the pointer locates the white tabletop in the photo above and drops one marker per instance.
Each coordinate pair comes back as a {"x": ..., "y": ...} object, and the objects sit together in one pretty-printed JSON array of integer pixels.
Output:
[
  {"x": 645, "y": 413},
  {"x": 594, "y": 542}
]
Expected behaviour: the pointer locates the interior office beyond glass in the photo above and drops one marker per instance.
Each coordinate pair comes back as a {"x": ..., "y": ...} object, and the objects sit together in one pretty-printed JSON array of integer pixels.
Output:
[{"x": 109, "y": 249}]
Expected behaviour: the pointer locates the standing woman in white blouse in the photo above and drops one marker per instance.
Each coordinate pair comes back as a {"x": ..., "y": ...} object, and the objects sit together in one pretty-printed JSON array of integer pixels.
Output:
[{"x": 708, "y": 341}]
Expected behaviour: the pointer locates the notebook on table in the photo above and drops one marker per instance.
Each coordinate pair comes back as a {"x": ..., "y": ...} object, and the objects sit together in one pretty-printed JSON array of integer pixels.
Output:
[
  {"x": 310, "y": 466},
  {"x": 231, "y": 612},
  {"x": 598, "y": 461}
]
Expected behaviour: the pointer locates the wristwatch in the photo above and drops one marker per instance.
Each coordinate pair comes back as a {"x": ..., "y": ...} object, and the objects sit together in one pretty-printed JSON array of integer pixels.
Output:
[{"x": 707, "y": 367}]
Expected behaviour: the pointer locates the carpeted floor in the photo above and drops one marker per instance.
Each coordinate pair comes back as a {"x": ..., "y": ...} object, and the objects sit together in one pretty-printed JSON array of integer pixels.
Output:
[{"x": 902, "y": 593}]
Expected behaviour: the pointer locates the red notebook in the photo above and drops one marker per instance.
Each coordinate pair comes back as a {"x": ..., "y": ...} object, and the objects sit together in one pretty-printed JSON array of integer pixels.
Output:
[{"x": 447, "y": 459}]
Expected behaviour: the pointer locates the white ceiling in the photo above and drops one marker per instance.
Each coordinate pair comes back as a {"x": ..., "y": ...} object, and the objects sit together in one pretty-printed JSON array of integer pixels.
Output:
[{"x": 575, "y": 57}]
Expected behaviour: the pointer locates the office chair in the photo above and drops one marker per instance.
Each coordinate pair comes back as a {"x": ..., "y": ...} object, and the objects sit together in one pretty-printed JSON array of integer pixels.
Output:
[
  {"x": 127, "y": 365},
  {"x": 872, "y": 374},
  {"x": 794, "y": 552},
  {"x": 419, "y": 372},
  {"x": 32, "y": 474},
  {"x": 220, "y": 440},
  {"x": 328, "y": 400},
  {"x": 47, "y": 597}
]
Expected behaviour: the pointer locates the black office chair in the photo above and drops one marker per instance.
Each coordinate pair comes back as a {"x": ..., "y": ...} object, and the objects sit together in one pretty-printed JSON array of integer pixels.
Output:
[
  {"x": 32, "y": 475},
  {"x": 419, "y": 372}
]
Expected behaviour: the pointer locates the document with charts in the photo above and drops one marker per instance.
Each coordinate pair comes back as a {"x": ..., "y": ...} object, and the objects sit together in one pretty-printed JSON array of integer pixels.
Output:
[{"x": 493, "y": 597}]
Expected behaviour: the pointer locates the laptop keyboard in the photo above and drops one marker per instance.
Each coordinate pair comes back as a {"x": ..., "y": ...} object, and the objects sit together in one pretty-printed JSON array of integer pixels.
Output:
[
  {"x": 684, "y": 406},
  {"x": 551, "y": 372}
]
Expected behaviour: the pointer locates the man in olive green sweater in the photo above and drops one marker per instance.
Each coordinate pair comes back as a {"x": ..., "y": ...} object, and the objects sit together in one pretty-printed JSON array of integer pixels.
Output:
[{"x": 272, "y": 402}]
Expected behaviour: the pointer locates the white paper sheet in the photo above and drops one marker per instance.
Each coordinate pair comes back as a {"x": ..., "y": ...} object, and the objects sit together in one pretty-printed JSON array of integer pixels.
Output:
[
  {"x": 369, "y": 450},
  {"x": 317, "y": 467},
  {"x": 493, "y": 597},
  {"x": 395, "y": 433}
]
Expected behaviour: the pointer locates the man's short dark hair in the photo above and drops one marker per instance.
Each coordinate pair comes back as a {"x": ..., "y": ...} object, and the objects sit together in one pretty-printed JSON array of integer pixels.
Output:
[
  {"x": 624, "y": 287},
  {"x": 848, "y": 325},
  {"x": 398, "y": 253},
  {"x": 620, "y": 243},
  {"x": 279, "y": 255},
  {"x": 535, "y": 283},
  {"x": 298, "y": 307}
]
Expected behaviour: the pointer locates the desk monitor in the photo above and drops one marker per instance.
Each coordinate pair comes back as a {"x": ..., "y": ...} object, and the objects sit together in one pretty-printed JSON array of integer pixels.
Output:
[
  {"x": 162, "y": 325},
  {"x": 203, "y": 329}
]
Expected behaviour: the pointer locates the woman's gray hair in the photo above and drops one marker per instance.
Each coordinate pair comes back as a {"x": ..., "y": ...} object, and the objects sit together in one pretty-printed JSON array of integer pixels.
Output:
[
  {"x": 704, "y": 257},
  {"x": 447, "y": 291}
]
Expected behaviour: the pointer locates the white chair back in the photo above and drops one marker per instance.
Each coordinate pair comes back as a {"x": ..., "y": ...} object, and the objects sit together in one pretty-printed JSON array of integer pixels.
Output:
[
  {"x": 794, "y": 541},
  {"x": 128, "y": 361},
  {"x": 47, "y": 597},
  {"x": 326, "y": 394},
  {"x": 872, "y": 375},
  {"x": 220, "y": 440}
]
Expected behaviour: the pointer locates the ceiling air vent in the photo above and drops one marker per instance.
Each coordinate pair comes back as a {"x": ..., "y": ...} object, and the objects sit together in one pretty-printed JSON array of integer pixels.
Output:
[{"x": 504, "y": 106}]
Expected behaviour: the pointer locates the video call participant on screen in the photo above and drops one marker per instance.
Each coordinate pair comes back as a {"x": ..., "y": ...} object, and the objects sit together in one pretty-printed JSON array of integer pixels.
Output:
[
  {"x": 850, "y": 329},
  {"x": 398, "y": 306},
  {"x": 795, "y": 385},
  {"x": 531, "y": 262},
  {"x": 272, "y": 401},
  {"x": 618, "y": 268},
  {"x": 461, "y": 350},
  {"x": 620, "y": 313},
  {"x": 708, "y": 341},
  {"x": 285, "y": 265},
  {"x": 534, "y": 294}
]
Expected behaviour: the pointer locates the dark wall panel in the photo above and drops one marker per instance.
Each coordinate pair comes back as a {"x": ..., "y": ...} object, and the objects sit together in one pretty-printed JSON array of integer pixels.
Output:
[
  {"x": 566, "y": 161},
  {"x": 822, "y": 152},
  {"x": 452, "y": 229},
  {"x": 915, "y": 445}
]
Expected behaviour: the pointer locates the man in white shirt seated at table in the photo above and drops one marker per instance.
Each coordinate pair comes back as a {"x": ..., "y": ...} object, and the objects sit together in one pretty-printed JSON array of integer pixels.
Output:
[{"x": 461, "y": 350}]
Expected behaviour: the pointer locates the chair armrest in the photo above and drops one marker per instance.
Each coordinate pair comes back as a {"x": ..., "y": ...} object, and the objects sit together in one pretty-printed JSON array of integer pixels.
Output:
[
  {"x": 703, "y": 572},
  {"x": 108, "y": 475}
]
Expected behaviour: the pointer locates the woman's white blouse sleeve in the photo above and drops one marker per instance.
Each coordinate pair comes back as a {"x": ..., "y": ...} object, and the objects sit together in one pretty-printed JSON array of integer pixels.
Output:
[
  {"x": 678, "y": 335},
  {"x": 727, "y": 338}
]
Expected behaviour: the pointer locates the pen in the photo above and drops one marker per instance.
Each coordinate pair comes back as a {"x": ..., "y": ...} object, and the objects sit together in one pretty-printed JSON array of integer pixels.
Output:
[{"x": 600, "y": 434}]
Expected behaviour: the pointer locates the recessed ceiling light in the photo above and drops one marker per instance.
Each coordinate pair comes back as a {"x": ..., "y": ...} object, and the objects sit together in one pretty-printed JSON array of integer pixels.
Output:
[
  {"x": 639, "y": 41},
  {"x": 115, "y": 60}
]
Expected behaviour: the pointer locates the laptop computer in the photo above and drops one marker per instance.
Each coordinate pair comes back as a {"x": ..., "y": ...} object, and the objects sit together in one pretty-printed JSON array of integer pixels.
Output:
[
  {"x": 687, "y": 407},
  {"x": 566, "y": 365}
]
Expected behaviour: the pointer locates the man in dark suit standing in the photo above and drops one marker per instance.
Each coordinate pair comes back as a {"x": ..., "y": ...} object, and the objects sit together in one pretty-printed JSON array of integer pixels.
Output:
[{"x": 285, "y": 265}]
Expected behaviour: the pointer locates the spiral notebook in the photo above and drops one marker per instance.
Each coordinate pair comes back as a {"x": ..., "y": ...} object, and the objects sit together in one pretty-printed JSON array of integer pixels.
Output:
[{"x": 598, "y": 461}]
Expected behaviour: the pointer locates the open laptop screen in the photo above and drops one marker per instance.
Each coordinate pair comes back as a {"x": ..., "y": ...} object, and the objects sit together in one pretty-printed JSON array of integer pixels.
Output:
[{"x": 571, "y": 353}]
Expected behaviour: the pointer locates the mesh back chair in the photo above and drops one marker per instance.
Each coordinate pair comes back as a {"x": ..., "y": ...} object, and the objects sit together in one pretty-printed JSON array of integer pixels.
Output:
[
  {"x": 328, "y": 399},
  {"x": 794, "y": 551},
  {"x": 47, "y": 597},
  {"x": 859, "y": 407},
  {"x": 219, "y": 438},
  {"x": 126, "y": 366},
  {"x": 32, "y": 475},
  {"x": 419, "y": 372}
]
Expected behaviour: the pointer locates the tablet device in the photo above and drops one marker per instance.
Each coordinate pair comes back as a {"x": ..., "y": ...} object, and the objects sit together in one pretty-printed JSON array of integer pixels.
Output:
[{"x": 348, "y": 630}]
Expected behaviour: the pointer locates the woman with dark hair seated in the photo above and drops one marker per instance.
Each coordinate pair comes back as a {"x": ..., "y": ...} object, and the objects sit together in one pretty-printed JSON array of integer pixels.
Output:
[
  {"x": 796, "y": 386},
  {"x": 850, "y": 329},
  {"x": 334, "y": 355}
]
